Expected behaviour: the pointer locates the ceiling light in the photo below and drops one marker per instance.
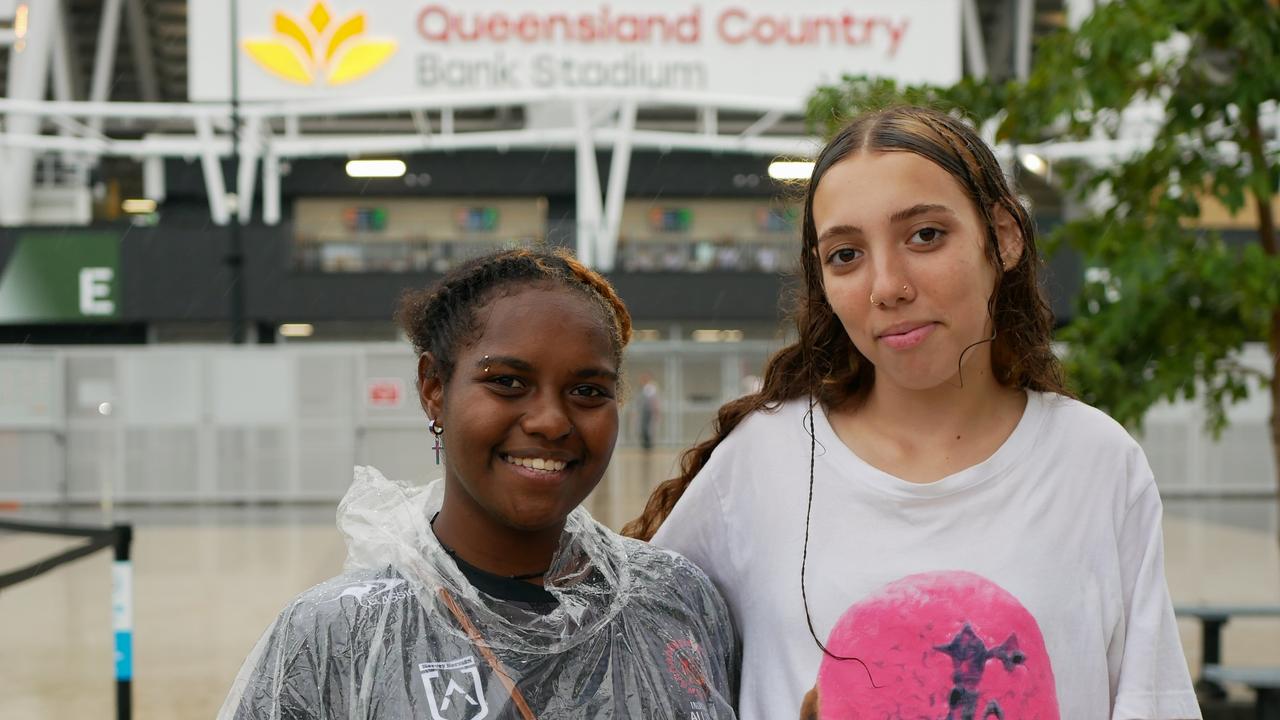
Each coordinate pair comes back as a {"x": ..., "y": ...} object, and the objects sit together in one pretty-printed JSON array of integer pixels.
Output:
[
  {"x": 790, "y": 169},
  {"x": 138, "y": 206},
  {"x": 297, "y": 329},
  {"x": 375, "y": 168},
  {"x": 717, "y": 335}
]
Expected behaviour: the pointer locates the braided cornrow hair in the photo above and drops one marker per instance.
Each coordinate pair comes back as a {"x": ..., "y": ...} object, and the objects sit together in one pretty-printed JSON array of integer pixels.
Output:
[
  {"x": 823, "y": 363},
  {"x": 442, "y": 319}
]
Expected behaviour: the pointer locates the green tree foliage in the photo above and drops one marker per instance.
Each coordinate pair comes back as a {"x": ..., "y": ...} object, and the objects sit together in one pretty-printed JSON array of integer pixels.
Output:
[{"x": 1169, "y": 305}]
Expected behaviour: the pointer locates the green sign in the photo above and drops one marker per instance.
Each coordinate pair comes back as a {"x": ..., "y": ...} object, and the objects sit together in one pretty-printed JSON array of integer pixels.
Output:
[{"x": 62, "y": 277}]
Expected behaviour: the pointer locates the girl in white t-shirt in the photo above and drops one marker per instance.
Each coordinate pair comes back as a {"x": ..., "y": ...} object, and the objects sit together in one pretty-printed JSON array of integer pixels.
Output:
[{"x": 911, "y": 518}]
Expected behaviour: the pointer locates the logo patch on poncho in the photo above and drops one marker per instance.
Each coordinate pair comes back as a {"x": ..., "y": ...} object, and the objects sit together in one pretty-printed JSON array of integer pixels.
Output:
[
  {"x": 454, "y": 689},
  {"x": 376, "y": 592}
]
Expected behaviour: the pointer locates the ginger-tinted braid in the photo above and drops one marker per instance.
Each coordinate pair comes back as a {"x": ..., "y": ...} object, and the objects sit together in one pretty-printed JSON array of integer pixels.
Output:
[
  {"x": 442, "y": 319},
  {"x": 823, "y": 363}
]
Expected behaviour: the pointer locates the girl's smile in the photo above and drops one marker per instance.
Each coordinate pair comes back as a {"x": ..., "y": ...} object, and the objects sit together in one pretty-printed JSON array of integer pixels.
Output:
[{"x": 530, "y": 417}]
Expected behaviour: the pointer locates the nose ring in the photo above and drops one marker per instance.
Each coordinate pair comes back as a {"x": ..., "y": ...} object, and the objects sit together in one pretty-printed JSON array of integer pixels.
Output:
[{"x": 906, "y": 290}]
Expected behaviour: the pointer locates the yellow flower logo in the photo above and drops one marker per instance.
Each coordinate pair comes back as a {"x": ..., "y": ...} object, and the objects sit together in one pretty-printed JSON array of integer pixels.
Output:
[{"x": 303, "y": 52}]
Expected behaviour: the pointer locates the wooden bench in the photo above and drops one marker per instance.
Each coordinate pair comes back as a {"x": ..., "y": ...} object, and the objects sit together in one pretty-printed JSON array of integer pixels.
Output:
[
  {"x": 1212, "y": 618},
  {"x": 1265, "y": 681}
]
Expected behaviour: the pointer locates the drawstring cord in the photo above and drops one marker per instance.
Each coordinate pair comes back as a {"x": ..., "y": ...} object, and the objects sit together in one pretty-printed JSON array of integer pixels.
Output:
[{"x": 483, "y": 647}]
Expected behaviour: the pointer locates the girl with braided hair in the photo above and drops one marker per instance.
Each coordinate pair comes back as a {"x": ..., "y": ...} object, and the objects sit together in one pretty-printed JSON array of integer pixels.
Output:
[
  {"x": 490, "y": 593},
  {"x": 912, "y": 518}
]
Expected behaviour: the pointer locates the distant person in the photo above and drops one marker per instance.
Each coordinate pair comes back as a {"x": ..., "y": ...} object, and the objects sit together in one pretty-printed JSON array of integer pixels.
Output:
[
  {"x": 675, "y": 257},
  {"x": 727, "y": 255},
  {"x": 650, "y": 410},
  {"x": 767, "y": 258},
  {"x": 491, "y": 592},
  {"x": 912, "y": 518}
]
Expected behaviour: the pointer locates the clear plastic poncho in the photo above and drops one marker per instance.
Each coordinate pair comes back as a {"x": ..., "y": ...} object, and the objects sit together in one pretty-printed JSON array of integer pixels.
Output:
[{"x": 636, "y": 631}]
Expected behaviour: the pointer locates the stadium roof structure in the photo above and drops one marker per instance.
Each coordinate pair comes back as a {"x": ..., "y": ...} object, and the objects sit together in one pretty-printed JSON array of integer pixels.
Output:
[{"x": 93, "y": 82}]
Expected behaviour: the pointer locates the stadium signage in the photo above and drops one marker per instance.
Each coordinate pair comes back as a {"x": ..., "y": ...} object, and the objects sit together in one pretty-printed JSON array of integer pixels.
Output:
[
  {"x": 733, "y": 26},
  {"x": 772, "y": 49},
  {"x": 55, "y": 276}
]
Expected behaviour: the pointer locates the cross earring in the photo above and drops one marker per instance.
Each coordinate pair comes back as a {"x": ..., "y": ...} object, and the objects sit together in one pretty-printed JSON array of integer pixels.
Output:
[{"x": 436, "y": 430}]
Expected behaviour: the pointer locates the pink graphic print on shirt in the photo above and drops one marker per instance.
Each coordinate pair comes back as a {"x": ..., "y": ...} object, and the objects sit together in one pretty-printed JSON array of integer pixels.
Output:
[{"x": 940, "y": 645}]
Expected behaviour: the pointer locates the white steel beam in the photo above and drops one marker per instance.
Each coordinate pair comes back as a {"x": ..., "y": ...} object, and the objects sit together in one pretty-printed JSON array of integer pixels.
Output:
[
  {"x": 183, "y": 146},
  {"x": 505, "y": 98},
  {"x": 212, "y": 167},
  {"x": 104, "y": 58},
  {"x": 708, "y": 122},
  {"x": 603, "y": 113},
  {"x": 588, "y": 185},
  {"x": 762, "y": 125},
  {"x": 270, "y": 186},
  {"x": 1022, "y": 38},
  {"x": 250, "y": 149},
  {"x": 186, "y": 146},
  {"x": 366, "y": 106},
  {"x": 64, "y": 88},
  {"x": 28, "y": 79},
  {"x": 619, "y": 167},
  {"x": 118, "y": 110},
  {"x": 421, "y": 122},
  {"x": 153, "y": 180},
  {"x": 975, "y": 48},
  {"x": 143, "y": 59}
]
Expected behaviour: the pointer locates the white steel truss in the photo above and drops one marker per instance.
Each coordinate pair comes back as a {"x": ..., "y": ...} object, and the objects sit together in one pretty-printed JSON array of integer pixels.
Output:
[
  {"x": 267, "y": 135},
  {"x": 270, "y": 134}
]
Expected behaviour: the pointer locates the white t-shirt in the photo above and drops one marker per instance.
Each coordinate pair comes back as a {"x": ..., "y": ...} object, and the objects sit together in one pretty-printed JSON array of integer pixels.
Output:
[{"x": 1032, "y": 583}]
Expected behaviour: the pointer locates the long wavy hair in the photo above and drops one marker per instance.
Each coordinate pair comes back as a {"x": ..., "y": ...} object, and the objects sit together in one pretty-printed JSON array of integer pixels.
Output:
[{"x": 823, "y": 364}]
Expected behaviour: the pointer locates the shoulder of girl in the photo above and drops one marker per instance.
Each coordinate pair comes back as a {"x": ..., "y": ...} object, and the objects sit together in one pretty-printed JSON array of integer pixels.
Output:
[
  {"x": 1087, "y": 423},
  {"x": 347, "y": 595},
  {"x": 767, "y": 424},
  {"x": 663, "y": 566}
]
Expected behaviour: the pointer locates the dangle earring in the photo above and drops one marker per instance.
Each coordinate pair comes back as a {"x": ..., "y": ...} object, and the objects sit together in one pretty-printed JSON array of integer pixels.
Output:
[{"x": 436, "y": 430}]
